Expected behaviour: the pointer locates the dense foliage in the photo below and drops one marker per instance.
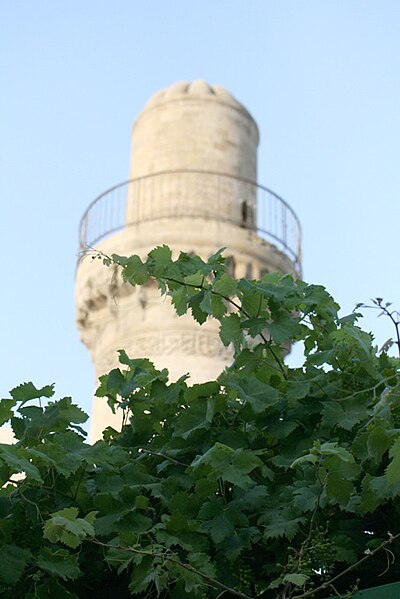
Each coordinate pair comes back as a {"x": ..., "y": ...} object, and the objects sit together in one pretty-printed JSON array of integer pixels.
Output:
[{"x": 270, "y": 482}]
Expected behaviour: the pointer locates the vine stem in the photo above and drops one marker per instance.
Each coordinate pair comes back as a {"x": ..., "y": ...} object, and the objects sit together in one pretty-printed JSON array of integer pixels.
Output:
[
  {"x": 366, "y": 557},
  {"x": 173, "y": 560},
  {"x": 162, "y": 455},
  {"x": 379, "y": 306}
]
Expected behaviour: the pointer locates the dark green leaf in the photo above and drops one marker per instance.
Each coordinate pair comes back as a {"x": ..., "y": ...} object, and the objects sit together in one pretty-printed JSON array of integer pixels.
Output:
[
  {"x": 6, "y": 409},
  {"x": 59, "y": 562},
  {"x": 28, "y": 391},
  {"x": 230, "y": 330},
  {"x": 13, "y": 562},
  {"x": 393, "y": 470}
]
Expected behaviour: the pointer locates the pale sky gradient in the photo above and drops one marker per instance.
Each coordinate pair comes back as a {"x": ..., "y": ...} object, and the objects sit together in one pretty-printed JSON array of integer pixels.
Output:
[{"x": 321, "y": 78}]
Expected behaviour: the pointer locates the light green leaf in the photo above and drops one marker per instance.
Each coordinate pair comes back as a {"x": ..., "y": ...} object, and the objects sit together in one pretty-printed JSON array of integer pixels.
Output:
[
  {"x": 297, "y": 579},
  {"x": 66, "y": 527},
  {"x": 334, "y": 449}
]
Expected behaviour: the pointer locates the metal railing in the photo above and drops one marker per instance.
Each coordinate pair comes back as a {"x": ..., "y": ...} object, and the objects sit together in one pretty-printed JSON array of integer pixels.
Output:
[{"x": 195, "y": 194}]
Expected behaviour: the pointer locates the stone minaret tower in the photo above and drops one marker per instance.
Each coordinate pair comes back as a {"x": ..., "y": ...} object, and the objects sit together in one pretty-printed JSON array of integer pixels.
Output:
[{"x": 193, "y": 187}]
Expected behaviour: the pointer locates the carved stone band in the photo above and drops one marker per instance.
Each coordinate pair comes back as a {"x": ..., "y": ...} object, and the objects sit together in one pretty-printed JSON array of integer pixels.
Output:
[{"x": 202, "y": 344}]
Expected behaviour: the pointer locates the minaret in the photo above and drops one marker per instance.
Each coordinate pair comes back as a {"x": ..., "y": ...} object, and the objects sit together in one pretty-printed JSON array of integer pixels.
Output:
[{"x": 193, "y": 187}]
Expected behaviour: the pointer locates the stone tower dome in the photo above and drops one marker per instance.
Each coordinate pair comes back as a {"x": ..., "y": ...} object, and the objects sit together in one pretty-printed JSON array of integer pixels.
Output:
[
  {"x": 192, "y": 186},
  {"x": 195, "y": 126}
]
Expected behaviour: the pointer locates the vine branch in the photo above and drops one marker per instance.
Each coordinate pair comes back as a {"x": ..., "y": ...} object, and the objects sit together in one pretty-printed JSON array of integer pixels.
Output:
[
  {"x": 162, "y": 455},
  {"x": 173, "y": 560},
  {"x": 384, "y": 307},
  {"x": 368, "y": 554}
]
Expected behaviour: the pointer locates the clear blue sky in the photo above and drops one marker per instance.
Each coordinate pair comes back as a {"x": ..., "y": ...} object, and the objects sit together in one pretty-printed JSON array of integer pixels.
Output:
[{"x": 321, "y": 78}]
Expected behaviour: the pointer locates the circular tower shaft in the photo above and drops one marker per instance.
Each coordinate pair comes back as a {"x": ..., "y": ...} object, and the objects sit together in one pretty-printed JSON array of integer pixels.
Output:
[{"x": 194, "y": 156}]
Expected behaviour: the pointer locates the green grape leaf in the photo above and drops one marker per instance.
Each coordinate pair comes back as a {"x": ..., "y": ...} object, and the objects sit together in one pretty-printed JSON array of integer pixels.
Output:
[
  {"x": 50, "y": 589},
  {"x": 225, "y": 285},
  {"x": 369, "y": 497},
  {"x": 255, "y": 326},
  {"x": 142, "y": 574},
  {"x": 62, "y": 413},
  {"x": 133, "y": 269},
  {"x": 218, "y": 308},
  {"x": 297, "y": 579},
  {"x": 284, "y": 328},
  {"x": 216, "y": 260},
  {"x": 179, "y": 299},
  {"x": 305, "y": 497},
  {"x": 133, "y": 521},
  {"x": 198, "y": 314},
  {"x": 161, "y": 263},
  {"x": 13, "y": 560},
  {"x": 11, "y": 455},
  {"x": 59, "y": 563},
  {"x": 260, "y": 396},
  {"x": 230, "y": 329},
  {"x": 192, "y": 419},
  {"x": 6, "y": 410},
  {"x": 377, "y": 443},
  {"x": 333, "y": 449},
  {"x": 345, "y": 415},
  {"x": 232, "y": 465},
  {"x": 254, "y": 304},
  {"x": 393, "y": 470},
  {"x": 27, "y": 391},
  {"x": 215, "y": 520},
  {"x": 279, "y": 524},
  {"x": 205, "y": 303},
  {"x": 65, "y": 526},
  {"x": 339, "y": 489},
  {"x": 243, "y": 462}
]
